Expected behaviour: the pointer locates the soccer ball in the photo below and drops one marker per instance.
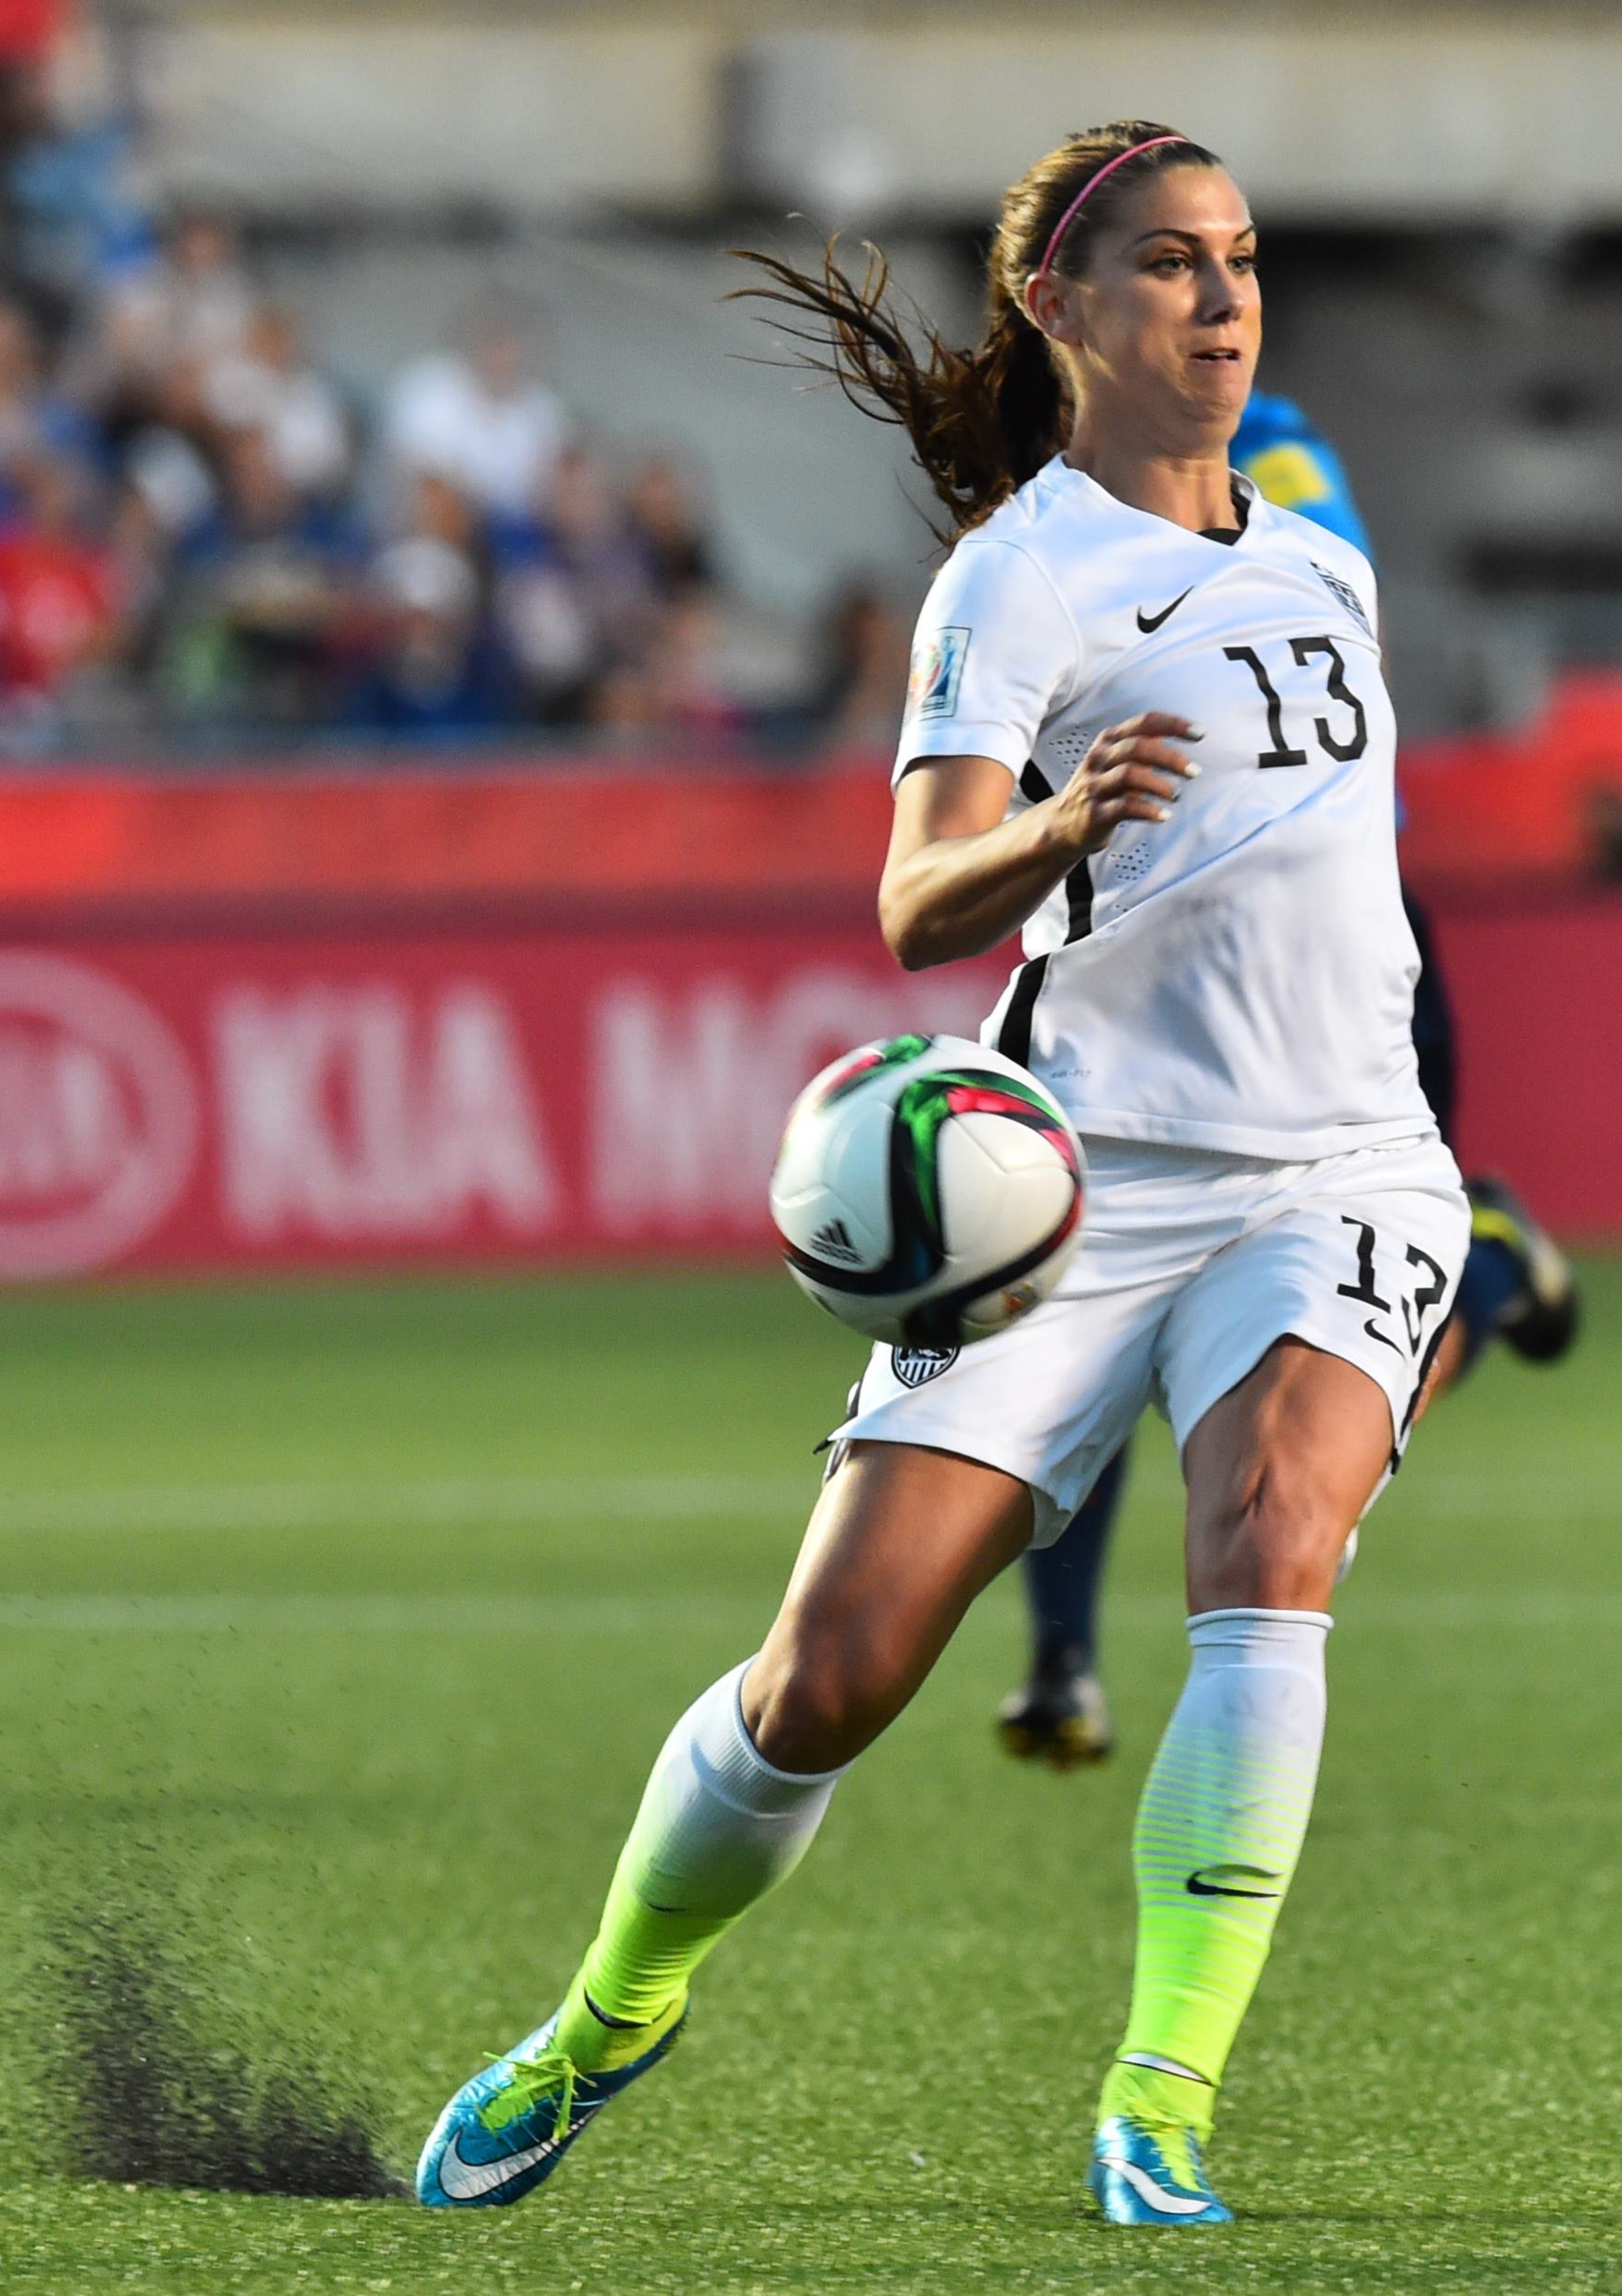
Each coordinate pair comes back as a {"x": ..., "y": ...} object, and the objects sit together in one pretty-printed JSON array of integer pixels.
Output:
[{"x": 928, "y": 1192}]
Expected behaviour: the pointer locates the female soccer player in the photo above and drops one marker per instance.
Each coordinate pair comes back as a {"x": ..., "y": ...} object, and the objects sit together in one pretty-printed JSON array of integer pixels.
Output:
[
  {"x": 1217, "y": 984},
  {"x": 1517, "y": 1285}
]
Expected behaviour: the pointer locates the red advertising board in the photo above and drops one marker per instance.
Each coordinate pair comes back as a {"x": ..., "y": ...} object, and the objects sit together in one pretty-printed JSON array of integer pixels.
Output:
[
  {"x": 291, "y": 1099},
  {"x": 279, "y": 1102},
  {"x": 1536, "y": 991}
]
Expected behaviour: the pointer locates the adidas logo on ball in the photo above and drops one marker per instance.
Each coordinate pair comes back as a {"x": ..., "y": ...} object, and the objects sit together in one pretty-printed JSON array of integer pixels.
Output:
[
  {"x": 929, "y": 1192},
  {"x": 832, "y": 1239}
]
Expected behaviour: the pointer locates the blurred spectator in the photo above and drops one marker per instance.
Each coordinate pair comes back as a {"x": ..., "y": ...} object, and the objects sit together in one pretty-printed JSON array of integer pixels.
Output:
[
  {"x": 479, "y": 417},
  {"x": 860, "y": 680},
  {"x": 59, "y": 596},
  {"x": 140, "y": 550},
  {"x": 576, "y": 600},
  {"x": 674, "y": 687},
  {"x": 666, "y": 527},
  {"x": 34, "y": 418},
  {"x": 194, "y": 301},
  {"x": 434, "y": 672},
  {"x": 25, "y": 127},
  {"x": 544, "y": 622},
  {"x": 270, "y": 577},
  {"x": 265, "y": 384},
  {"x": 440, "y": 512},
  {"x": 76, "y": 195},
  {"x": 172, "y": 476},
  {"x": 161, "y": 327},
  {"x": 187, "y": 537},
  {"x": 685, "y": 666}
]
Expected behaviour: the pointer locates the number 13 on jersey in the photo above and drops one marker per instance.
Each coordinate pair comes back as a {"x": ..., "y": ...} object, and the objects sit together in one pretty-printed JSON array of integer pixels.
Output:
[{"x": 1345, "y": 741}]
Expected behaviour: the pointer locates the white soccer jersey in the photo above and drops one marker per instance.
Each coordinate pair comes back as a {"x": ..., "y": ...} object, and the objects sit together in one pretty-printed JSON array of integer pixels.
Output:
[{"x": 1241, "y": 975}]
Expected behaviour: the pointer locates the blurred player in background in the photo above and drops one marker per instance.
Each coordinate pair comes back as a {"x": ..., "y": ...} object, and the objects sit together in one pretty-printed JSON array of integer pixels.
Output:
[{"x": 1516, "y": 1284}]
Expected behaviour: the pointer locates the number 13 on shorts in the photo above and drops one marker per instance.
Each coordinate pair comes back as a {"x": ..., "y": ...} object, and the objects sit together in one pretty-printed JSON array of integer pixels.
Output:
[{"x": 1420, "y": 1289}]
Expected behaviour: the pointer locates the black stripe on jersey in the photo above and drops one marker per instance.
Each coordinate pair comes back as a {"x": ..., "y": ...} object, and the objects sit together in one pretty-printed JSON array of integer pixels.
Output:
[
  {"x": 1401, "y": 1445},
  {"x": 1013, "y": 1038},
  {"x": 1078, "y": 884},
  {"x": 1079, "y": 894}
]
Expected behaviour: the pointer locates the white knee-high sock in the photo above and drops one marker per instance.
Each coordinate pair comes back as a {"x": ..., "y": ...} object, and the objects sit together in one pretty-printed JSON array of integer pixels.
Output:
[
  {"x": 1219, "y": 1831},
  {"x": 718, "y": 1827}
]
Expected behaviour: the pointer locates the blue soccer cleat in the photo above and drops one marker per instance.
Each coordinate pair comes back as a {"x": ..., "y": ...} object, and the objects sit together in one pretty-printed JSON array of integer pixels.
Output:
[
  {"x": 505, "y": 2130},
  {"x": 1540, "y": 1318},
  {"x": 1143, "y": 2175}
]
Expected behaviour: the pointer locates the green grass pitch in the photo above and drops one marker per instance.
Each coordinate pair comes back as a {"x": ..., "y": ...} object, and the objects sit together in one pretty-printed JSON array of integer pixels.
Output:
[{"x": 345, "y": 1622}]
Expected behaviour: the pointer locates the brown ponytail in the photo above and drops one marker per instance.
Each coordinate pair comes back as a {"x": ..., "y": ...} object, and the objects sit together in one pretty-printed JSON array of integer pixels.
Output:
[{"x": 981, "y": 421}]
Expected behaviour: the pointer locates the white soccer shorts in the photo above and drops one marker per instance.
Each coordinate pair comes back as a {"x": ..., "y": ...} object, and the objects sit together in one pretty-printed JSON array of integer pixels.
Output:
[{"x": 1192, "y": 1264}]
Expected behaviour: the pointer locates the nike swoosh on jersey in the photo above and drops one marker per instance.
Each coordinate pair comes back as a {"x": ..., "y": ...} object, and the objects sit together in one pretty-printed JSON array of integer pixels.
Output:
[
  {"x": 1384, "y": 1339},
  {"x": 1147, "y": 622},
  {"x": 1198, "y": 1886},
  {"x": 470, "y": 2180},
  {"x": 1155, "y": 2196}
]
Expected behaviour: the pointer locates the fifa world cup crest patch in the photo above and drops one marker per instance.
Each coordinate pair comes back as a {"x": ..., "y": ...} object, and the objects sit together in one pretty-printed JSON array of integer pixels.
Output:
[
  {"x": 936, "y": 672},
  {"x": 914, "y": 1365}
]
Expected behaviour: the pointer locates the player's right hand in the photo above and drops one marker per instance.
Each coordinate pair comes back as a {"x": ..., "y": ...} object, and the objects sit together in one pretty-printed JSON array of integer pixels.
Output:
[{"x": 1132, "y": 772}]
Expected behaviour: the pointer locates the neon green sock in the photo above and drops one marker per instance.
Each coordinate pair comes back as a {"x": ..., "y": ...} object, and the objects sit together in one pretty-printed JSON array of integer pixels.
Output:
[
  {"x": 643, "y": 1956},
  {"x": 594, "y": 2045},
  {"x": 1160, "y": 2100},
  {"x": 718, "y": 1827},
  {"x": 1219, "y": 1830}
]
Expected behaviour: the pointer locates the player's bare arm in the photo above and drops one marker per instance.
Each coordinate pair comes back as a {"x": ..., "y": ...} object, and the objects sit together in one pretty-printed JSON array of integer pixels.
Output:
[{"x": 959, "y": 878}]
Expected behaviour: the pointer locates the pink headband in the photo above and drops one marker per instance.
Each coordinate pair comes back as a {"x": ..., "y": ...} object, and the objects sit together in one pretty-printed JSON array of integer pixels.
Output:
[{"x": 1086, "y": 192}]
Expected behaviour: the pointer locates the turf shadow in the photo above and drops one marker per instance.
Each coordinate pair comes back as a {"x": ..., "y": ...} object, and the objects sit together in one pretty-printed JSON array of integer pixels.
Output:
[{"x": 151, "y": 2080}]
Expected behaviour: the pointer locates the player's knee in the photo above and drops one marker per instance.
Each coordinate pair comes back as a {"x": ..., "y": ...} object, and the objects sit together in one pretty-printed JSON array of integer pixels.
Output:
[
  {"x": 1273, "y": 1543},
  {"x": 817, "y": 1704}
]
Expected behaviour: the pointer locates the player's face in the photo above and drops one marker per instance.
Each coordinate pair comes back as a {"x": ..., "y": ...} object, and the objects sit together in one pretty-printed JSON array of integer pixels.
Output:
[{"x": 1167, "y": 320}]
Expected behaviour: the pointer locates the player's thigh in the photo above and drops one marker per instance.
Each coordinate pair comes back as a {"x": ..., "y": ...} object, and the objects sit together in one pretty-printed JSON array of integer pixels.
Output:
[
  {"x": 1355, "y": 1269},
  {"x": 949, "y": 1464},
  {"x": 1279, "y": 1472},
  {"x": 1049, "y": 1401},
  {"x": 900, "y": 1542}
]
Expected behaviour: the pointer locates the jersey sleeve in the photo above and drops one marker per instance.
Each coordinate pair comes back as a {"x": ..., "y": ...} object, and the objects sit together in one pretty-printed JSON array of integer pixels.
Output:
[{"x": 993, "y": 649}]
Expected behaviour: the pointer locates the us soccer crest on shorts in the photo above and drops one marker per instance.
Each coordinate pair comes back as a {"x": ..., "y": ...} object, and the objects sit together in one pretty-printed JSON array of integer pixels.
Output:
[
  {"x": 914, "y": 1365},
  {"x": 938, "y": 672}
]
